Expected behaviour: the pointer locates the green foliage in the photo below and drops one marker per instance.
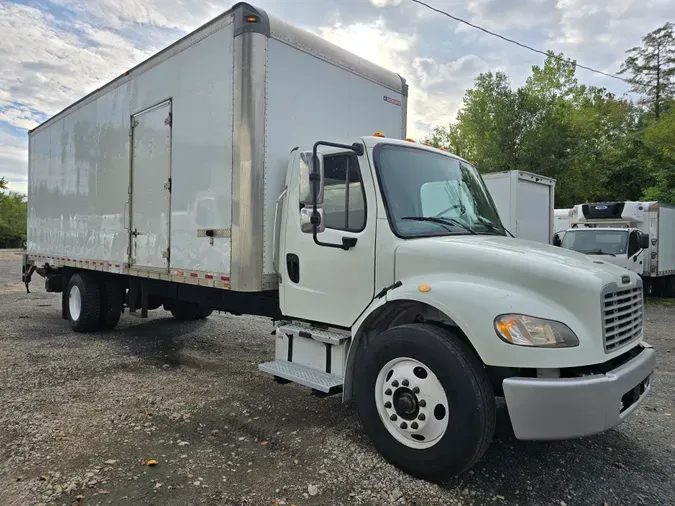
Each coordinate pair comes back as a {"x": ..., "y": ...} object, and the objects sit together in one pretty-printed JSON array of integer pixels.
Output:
[
  {"x": 652, "y": 68},
  {"x": 13, "y": 217},
  {"x": 597, "y": 146}
]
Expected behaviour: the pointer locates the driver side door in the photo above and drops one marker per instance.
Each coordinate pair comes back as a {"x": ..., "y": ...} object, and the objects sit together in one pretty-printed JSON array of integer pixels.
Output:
[{"x": 329, "y": 284}]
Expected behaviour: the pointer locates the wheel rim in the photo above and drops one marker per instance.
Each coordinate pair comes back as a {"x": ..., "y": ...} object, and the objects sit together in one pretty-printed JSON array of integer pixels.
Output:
[
  {"x": 411, "y": 402},
  {"x": 74, "y": 303}
]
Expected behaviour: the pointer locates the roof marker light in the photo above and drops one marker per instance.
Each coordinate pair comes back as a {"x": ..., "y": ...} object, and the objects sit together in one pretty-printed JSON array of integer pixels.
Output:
[{"x": 378, "y": 134}]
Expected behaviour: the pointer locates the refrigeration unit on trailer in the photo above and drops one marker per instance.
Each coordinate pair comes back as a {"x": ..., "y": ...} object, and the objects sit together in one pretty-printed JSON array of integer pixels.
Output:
[
  {"x": 639, "y": 236},
  {"x": 236, "y": 171},
  {"x": 525, "y": 203}
]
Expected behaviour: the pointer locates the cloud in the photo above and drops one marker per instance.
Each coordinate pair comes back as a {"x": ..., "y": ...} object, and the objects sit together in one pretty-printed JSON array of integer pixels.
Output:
[
  {"x": 44, "y": 65},
  {"x": 56, "y": 51},
  {"x": 14, "y": 160}
]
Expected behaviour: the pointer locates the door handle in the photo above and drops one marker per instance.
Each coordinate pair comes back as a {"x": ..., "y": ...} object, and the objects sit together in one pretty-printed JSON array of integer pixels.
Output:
[{"x": 348, "y": 242}]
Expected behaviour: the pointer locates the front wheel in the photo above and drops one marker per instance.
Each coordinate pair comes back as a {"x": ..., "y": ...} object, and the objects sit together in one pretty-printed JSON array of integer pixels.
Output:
[{"x": 425, "y": 400}]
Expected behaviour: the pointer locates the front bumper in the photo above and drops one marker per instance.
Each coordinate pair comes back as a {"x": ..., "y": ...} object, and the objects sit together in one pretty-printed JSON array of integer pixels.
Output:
[{"x": 565, "y": 408}]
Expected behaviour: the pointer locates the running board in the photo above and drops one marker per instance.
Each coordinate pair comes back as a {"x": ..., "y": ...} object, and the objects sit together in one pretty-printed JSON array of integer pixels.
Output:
[
  {"x": 327, "y": 336},
  {"x": 321, "y": 381}
]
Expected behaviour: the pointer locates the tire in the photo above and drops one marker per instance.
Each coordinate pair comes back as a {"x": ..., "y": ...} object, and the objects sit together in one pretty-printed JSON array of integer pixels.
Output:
[
  {"x": 203, "y": 313},
  {"x": 111, "y": 303},
  {"x": 64, "y": 303},
  {"x": 447, "y": 372},
  {"x": 84, "y": 302},
  {"x": 184, "y": 311}
]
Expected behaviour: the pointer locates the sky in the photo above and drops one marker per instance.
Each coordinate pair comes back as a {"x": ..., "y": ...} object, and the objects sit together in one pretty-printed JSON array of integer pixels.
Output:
[{"x": 53, "y": 52}]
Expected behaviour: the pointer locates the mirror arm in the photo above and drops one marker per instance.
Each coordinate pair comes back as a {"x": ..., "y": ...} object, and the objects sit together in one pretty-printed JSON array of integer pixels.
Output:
[{"x": 315, "y": 177}]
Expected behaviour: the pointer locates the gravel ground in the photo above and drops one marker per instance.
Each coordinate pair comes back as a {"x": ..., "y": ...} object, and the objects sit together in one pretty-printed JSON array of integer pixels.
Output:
[{"x": 82, "y": 415}]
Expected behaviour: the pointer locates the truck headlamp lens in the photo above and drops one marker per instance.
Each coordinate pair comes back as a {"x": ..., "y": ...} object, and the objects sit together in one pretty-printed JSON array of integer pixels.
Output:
[{"x": 523, "y": 330}]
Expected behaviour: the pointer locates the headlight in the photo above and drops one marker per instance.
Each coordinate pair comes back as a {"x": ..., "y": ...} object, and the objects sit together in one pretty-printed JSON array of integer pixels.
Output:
[{"x": 523, "y": 330}]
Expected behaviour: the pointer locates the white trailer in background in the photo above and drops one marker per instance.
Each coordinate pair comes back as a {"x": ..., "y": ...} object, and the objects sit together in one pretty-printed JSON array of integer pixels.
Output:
[
  {"x": 525, "y": 202},
  {"x": 235, "y": 171},
  {"x": 639, "y": 236},
  {"x": 561, "y": 219}
]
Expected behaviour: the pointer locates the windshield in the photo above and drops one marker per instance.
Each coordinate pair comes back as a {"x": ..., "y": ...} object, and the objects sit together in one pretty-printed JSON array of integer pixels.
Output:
[
  {"x": 596, "y": 241},
  {"x": 429, "y": 193}
]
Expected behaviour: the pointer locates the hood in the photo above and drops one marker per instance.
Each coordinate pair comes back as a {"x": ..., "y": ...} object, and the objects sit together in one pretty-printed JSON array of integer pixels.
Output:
[{"x": 507, "y": 259}]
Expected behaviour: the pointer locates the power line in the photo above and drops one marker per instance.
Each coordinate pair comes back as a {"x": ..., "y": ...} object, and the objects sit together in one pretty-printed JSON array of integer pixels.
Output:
[{"x": 444, "y": 13}]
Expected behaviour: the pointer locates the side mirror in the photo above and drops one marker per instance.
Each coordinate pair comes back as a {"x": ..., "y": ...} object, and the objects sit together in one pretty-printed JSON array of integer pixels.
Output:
[
  {"x": 644, "y": 241},
  {"x": 306, "y": 184},
  {"x": 556, "y": 240},
  {"x": 306, "y": 220}
]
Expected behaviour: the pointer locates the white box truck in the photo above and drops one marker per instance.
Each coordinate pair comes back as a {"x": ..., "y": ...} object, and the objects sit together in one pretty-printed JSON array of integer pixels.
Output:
[
  {"x": 639, "y": 236},
  {"x": 232, "y": 172},
  {"x": 525, "y": 203}
]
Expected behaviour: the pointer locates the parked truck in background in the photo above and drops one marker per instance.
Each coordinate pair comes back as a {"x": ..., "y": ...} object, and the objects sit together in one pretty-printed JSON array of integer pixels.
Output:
[
  {"x": 232, "y": 171},
  {"x": 524, "y": 202},
  {"x": 561, "y": 222},
  {"x": 639, "y": 236}
]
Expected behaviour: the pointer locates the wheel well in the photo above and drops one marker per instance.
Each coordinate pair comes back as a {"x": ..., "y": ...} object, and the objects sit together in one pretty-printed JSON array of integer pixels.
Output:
[{"x": 390, "y": 315}]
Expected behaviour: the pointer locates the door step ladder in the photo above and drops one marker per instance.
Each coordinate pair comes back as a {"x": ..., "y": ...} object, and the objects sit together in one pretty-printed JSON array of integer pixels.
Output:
[{"x": 310, "y": 356}]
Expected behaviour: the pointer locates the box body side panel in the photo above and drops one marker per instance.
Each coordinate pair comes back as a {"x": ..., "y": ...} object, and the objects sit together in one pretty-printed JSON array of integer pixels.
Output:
[
  {"x": 80, "y": 162},
  {"x": 79, "y": 180},
  {"x": 666, "y": 239},
  {"x": 311, "y": 99}
]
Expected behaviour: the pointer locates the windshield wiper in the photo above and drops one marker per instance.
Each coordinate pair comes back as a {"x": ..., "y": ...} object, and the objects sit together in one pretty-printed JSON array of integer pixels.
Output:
[
  {"x": 494, "y": 227},
  {"x": 441, "y": 221},
  {"x": 597, "y": 252}
]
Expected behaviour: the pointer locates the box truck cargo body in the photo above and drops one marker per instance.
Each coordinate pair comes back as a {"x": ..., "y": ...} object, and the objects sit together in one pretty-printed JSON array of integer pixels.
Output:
[
  {"x": 254, "y": 168},
  {"x": 525, "y": 203},
  {"x": 158, "y": 152}
]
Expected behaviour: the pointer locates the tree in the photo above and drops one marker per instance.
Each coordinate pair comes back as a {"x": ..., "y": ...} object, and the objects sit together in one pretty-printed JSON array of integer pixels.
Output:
[
  {"x": 13, "y": 216},
  {"x": 652, "y": 68}
]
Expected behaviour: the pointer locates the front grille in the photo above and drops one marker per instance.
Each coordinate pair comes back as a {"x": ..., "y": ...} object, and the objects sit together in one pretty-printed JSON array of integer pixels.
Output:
[{"x": 622, "y": 313}]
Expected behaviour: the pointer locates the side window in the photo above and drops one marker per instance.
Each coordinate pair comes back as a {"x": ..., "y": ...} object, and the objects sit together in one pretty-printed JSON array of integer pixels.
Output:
[
  {"x": 633, "y": 244},
  {"x": 343, "y": 196}
]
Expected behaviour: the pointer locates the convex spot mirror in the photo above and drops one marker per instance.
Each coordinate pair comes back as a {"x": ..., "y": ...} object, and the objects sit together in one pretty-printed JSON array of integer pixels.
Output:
[{"x": 308, "y": 180}]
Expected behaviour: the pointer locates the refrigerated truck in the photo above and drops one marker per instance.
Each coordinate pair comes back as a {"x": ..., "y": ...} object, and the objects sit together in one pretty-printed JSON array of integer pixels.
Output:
[
  {"x": 639, "y": 236},
  {"x": 254, "y": 168},
  {"x": 525, "y": 203}
]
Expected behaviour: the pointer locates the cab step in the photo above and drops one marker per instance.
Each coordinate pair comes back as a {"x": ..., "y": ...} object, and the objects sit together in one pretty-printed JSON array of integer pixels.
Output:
[
  {"x": 328, "y": 336},
  {"x": 320, "y": 381}
]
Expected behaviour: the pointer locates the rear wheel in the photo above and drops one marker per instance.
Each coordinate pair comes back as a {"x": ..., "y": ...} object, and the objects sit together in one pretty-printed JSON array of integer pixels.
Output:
[
  {"x": 84, "y": 302},
  {"x": 189, "y": 311},
  {"x": 111, "y": 303},
  {"x": 425, "y": 400}
]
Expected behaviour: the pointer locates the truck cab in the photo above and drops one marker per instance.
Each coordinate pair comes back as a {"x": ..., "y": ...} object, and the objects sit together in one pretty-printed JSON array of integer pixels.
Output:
[
  {"x": 399, "y": 285},
  {"x": 617, "y": 232}
]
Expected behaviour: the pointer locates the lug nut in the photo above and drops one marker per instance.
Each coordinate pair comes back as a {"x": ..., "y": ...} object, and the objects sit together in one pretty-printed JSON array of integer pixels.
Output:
[
  {"x": 422, "y": 417},
  {"x": 414, "y": 426},
  {"x": 394, "y": 383},
  {"x": 416, "y": 390},
  {"x": 393, "y": 418},
  {"x": 423, "y": 403},
  {"x": 387, "y": 404},
  {"x": 405, "y": 383},
  {"x": 404, "y": 425},
  {"x": 387, "y": 391}
]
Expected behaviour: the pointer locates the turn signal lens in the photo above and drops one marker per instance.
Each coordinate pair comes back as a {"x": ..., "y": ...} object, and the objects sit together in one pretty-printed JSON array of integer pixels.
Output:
[
  {"x": 251, "y": 19},
  {"x": 424, "y": 288},
  {"x": 523, "y": 330}
]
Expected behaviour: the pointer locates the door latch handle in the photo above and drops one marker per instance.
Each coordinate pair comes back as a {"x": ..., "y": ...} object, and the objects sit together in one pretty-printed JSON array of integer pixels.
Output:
[{"x": 348, "y": 242}]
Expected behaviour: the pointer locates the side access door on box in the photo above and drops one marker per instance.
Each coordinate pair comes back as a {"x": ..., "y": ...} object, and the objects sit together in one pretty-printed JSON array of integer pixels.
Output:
[{"x": 151, "y": 188}]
